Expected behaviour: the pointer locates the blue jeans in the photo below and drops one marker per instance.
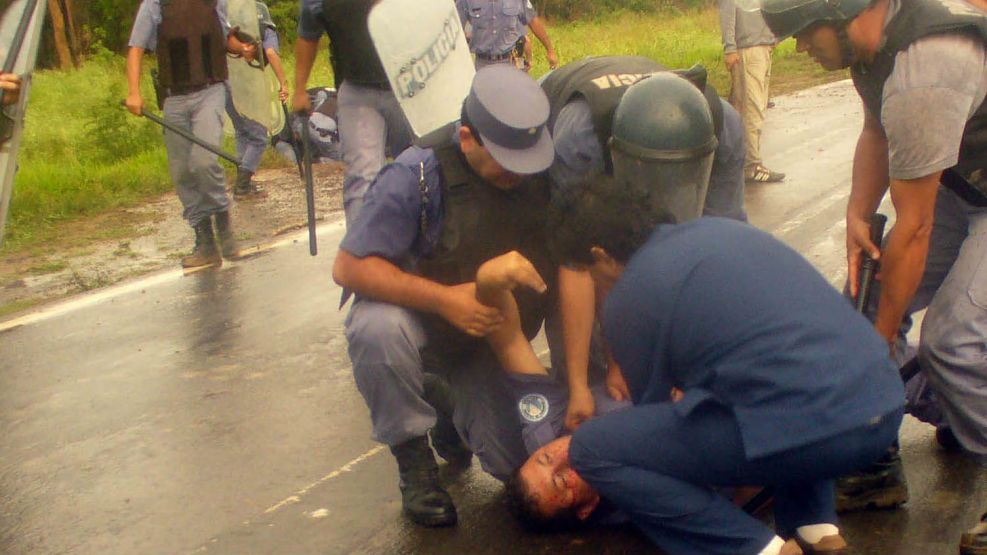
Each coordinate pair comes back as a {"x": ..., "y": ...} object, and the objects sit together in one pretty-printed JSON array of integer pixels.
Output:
[
  {"x": 251, "y": 137},
  {"x": 660, "y": 467}
]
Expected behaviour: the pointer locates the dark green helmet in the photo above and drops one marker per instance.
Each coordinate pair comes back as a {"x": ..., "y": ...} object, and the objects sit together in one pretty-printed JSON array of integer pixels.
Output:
[
  {"x": 663, "y": 141},
  {"x": 790, "y": 17}
]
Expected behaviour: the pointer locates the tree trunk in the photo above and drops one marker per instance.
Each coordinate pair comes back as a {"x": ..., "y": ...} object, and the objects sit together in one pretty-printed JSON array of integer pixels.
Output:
[
  {"x": 58, "y": 30},
  {"x": 75, "y": 41}
]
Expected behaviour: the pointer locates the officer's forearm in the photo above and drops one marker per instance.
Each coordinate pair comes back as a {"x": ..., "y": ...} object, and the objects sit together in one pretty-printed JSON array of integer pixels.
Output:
[
  {"x": 305, "y": 52},
  {"x": 134, "y": 58},
  {"x": 904, "y": 254},
  {"x": 376, "y": 278},
  {"x": 537, "y": 27},
  {"x": 275, "y": 61},
  {"x": 577, "y": 304}
]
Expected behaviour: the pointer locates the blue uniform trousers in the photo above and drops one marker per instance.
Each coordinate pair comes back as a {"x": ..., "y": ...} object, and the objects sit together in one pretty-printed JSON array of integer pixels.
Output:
[
  {"x": 660, "y": 467},
  {"x": 952, "y": 390},
  {"x": 196, "y": 173},
  {"x": 385, "y": 343},
  {"x": 371, "y": 125}
]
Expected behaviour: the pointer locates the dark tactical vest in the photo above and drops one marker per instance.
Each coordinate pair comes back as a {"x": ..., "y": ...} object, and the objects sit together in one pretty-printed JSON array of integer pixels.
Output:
[
  {"x": 352, "y": 52},
  {"x": 480, "y": 222},
  {"x": 191, "y": 45},
  {"x": 602, "y": 81},
  {"x": 917, "y": 19}
]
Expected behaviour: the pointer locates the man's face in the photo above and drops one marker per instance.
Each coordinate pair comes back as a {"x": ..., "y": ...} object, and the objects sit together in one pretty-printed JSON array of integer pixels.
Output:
[
  {"x": 822, "y": 44},
  {"x": 554, "y": 484},
  {"x": 484, "y": 164}
]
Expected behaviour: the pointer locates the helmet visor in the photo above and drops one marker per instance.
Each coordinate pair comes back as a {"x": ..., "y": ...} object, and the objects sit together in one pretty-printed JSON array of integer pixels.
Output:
[{"x": 676, "y": 187}]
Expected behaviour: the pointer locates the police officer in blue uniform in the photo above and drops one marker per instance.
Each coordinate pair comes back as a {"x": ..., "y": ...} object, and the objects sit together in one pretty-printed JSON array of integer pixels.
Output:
[
  {"x": 497, "y": 26},
  {"x": 370, "y": 121},
  {"x": 584, "y": 98},
  {"x": 251, "y": 136},
  {"x": 430, "y": 220},
  {"x": 781, "y": 383},
  {"x": 191, "y": 38}
]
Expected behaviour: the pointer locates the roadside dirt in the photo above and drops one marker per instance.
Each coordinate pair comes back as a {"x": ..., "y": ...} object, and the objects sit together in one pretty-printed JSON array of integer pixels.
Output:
[{"x": 159, "y": 239}]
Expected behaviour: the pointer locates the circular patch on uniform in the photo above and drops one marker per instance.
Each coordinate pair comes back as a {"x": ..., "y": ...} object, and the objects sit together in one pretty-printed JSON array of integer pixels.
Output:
[{"x": 533, "y": 407}]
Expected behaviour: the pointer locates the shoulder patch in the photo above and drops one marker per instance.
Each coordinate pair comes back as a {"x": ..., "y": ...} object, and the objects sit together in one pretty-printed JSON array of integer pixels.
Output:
[{"x": 533, "y": 407}]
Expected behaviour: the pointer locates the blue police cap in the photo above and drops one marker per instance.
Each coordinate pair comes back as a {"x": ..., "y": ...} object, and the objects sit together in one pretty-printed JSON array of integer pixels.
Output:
[{"x": 510, "y": 111}]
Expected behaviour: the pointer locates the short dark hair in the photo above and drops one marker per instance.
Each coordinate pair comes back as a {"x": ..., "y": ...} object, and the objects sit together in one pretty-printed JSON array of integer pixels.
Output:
[
  {"x": 464, "y": 119},
  {"x": 523, "y": 504},
  {"x": 607, "y": 213}
]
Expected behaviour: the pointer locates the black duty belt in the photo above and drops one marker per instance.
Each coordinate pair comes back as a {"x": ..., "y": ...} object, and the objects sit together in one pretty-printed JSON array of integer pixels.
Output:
[
  {"x": 494, "y": 57},
  {"x": 963, "y": 189}
]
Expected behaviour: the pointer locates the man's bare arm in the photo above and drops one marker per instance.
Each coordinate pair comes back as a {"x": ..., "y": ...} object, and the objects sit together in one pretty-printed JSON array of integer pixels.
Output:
[
  {"x": 376, "y": 278},
  {"x": 496, "y": 280},
  {"x": 305, "y": 53},
  {"x": 905, "y": 252},
  {"x": 275, "y": 60},
  {"x": 537, "y": 26},
  {"x": 870, "y": 182},
  {"x": 577, "y": 301}
]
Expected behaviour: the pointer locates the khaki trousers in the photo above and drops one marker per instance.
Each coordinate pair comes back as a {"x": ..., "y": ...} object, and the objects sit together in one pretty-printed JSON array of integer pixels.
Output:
[{"x": 749, "y": 95}]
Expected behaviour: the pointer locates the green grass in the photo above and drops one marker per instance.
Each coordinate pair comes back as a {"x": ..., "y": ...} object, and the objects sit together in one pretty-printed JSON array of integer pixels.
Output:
[{"x": 84, "y": 155}]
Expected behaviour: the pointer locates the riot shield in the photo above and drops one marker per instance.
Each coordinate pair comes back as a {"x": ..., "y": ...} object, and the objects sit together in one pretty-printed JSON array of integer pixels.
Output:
[
  {"x": 428, "y": 63},
  {"x": 253, "y": 83},
  {"x": 20, "y": 32}
]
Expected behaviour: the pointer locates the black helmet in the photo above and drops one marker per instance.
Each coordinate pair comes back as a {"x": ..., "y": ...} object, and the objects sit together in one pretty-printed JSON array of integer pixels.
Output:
[
  {"x": 790, "y": 17},
  {"x": 663, "y": 141}
]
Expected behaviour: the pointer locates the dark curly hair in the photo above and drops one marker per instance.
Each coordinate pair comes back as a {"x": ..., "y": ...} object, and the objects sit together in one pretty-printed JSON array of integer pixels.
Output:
[
  {"x": 606, "y": 213},
  {"x": 523, "y": 504}
]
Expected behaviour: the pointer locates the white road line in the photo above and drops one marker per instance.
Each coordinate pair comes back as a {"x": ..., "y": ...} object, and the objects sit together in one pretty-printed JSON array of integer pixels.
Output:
[
  {"x": 297, "y": 496},
  {"x": 97, "y": 297}
]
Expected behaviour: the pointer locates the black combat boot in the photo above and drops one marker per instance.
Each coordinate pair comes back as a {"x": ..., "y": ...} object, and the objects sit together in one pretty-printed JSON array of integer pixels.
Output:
[
  {"x": 225, "y": 232},
  {"x": 205, "y": 252},
  {"x": 445, "y": 439},
  {"x": 881, "y": 485},
  {"x": 245, "y": 188},
  {"x": 422, "y": 498}
]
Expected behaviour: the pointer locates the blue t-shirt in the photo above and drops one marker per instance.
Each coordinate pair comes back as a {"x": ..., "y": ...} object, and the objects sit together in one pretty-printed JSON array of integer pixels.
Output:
[
  {"x": 309, "y": 25},
  {"x": 726, "y": 312}
]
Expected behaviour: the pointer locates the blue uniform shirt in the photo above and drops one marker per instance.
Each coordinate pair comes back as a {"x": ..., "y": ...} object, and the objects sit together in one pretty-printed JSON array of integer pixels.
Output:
[
  {"x": 496, "y": 24},
  {"x": 144, "y": 33},
  {"x": 389, "y": 224},
  {"x": 270, "y": 40},
  {"x": 724, "y": 311}
]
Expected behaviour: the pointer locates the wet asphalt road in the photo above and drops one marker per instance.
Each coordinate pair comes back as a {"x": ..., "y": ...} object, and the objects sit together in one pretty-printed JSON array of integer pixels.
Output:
[{"x": 216, "y": 412}]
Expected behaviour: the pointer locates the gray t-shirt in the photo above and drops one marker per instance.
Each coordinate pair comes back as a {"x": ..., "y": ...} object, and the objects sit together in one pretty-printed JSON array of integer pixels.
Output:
[{"x": 937, "y": 84}]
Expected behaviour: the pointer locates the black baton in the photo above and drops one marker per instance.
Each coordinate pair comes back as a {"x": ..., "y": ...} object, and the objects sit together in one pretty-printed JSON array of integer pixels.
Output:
[
  {"x": 189, "y": 137},
  {"x": 869, "y": 266},
  {"x": 313, "y": 248}
]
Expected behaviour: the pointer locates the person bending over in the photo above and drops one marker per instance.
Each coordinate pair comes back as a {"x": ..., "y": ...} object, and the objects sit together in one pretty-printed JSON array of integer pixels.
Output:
[{"x": 783, "y": 385}]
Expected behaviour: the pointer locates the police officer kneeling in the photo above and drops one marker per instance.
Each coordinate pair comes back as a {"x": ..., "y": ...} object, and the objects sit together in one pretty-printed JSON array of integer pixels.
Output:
[{"x": 430, "y": 219}]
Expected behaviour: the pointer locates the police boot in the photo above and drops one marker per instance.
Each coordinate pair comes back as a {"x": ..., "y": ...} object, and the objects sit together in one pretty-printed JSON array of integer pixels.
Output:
[
  {"x": 422, "y": 498},
  {"x": 974, "y": 541},
  {"x": 880, "y": 486},
  {"x": 205, "y": 252},
  {"x": 445, "y": 438},
  {"x": 225, "y": 232},
  {"x": 245, "y": 188}
]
